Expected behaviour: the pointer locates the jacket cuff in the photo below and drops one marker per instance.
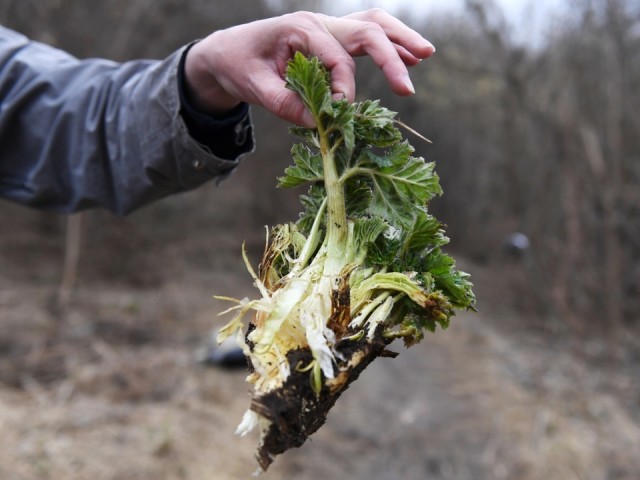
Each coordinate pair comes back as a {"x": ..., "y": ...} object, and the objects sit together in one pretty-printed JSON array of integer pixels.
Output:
[
  {"x": 211, "y": 148},
  {"x": 225, "y": 136}
]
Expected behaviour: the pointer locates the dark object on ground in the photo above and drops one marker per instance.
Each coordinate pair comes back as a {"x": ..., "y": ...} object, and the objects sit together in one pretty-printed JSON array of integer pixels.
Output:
[
  {"x": 229, "y": 358},
  {"x": 516, "y": 245}
]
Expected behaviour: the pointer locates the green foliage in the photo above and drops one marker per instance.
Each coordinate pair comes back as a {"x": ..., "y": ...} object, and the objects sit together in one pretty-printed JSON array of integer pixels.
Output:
[
  {"x": 453, "y": 283},
  {"x": 308, "y": 168},
  {"x": 363, "y": 262},
  {"x": 311, "y": 206},
  {"x": 384, "y": 192},
  {"x": 310, "y": 80}
]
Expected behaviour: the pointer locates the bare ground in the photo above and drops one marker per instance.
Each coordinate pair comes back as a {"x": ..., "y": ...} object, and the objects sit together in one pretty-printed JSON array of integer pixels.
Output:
[{"x": 109, "y": 387}]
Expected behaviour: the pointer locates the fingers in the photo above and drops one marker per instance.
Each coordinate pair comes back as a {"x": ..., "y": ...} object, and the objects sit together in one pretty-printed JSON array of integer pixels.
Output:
[
  {"x": 289, "y": 107},
  {"x": 339, "y": 62},
  {"x": 397, "y": 32},
  {"x": 218, "y": 79},
  {"x": 360, "y": 38},
  {"x": 265, "y": 86},
  {"x": 390, "y": 43},
  {"x": 408, "y": 58}
]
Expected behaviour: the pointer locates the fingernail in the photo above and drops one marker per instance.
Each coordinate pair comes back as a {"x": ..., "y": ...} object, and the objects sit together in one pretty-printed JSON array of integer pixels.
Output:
[
  {"x": 429, "y": 45},
  {"x": 409, "y": 84}
]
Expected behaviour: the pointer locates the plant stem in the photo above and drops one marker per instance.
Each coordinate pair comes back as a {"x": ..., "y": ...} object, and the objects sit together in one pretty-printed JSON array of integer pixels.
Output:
[{"x": 336, "y": 213}]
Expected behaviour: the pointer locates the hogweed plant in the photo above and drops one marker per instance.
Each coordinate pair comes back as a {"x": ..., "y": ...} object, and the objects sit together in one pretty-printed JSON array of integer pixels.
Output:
[{"x": 361, "y": 267}]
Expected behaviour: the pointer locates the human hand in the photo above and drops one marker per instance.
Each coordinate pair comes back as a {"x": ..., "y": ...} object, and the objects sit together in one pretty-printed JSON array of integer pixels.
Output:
[{"x": 248, "y": 62}]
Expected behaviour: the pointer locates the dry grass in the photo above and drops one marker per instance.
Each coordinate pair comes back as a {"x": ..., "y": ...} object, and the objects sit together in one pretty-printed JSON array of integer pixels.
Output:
[{"x": 109, "y": 388}]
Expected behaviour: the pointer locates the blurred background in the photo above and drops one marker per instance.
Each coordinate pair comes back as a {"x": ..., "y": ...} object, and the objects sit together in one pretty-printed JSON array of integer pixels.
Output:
[{"x": 534, "y": 113}]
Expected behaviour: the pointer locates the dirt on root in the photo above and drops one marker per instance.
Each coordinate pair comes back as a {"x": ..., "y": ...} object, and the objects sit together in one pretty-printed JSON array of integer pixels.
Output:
[{"x": 110, "y": 386}]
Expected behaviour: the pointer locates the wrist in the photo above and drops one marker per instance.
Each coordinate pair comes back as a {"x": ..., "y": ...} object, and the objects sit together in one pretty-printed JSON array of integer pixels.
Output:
[{"x": 202, "y": 88}]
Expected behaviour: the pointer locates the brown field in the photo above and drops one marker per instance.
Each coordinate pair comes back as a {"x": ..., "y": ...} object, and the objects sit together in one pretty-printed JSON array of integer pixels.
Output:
[{"x": 109, "y": 387}]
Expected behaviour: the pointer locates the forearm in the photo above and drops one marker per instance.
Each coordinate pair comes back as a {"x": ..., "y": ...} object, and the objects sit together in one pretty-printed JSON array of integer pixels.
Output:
[{"x": 76, "y": 134}]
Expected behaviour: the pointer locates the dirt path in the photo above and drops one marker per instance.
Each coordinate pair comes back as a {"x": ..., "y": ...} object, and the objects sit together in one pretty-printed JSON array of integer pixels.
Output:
[{"x": 110, "y": 390}]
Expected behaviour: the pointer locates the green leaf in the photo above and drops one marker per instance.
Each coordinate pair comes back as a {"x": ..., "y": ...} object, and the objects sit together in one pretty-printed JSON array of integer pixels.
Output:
[
  {"x": 384, "y": 252},
  {"x": 396, "y": 154},
  {"x": 365, "y": 232},
  {"x": 426, "y": 233},
  {"x": 307, "y": 169},
  {"x": 310, "y": 79},
  {"x": 343, "y": 121},
  {"x": 309, "y": 135},
  {"x": 402, "y": 184},
  {"x": 402, "y": 190},
  {"x": 358, "y": 197},
  {"x": 375, "y": 124},
  {"x": 451, "y": 282},
  {"x": 311, "y": 203},
  {"x": 379, "y": 160}
]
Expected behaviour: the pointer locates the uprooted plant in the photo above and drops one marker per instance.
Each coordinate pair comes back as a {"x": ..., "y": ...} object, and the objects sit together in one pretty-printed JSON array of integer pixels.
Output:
[{"x": 361, "y": 267}]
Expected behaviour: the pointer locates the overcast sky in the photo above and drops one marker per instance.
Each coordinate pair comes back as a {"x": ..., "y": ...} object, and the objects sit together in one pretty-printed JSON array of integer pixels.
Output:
[
  {"x": 531, "y": 17},
  {"x": 513, "y": 8}
]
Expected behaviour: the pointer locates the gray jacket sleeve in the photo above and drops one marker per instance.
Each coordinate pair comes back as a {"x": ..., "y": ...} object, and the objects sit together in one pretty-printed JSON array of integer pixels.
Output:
[{"x": 81, "y": 133}]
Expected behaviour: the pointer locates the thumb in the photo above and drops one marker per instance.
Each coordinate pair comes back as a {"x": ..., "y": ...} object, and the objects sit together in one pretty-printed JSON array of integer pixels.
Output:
[{"x": 287, "y": 105}]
